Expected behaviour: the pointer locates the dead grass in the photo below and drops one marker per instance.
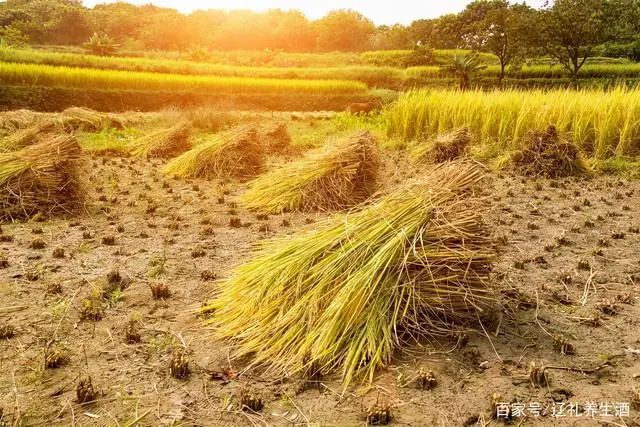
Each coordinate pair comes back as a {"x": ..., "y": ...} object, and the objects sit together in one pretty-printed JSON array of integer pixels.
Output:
[
  {"x": 164, "y": 143},
  {"x": 445, "y": 147}
]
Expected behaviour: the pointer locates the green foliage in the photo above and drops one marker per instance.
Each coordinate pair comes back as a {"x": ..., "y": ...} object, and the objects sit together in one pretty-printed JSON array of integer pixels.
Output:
[
  {"x": 101, "y": 44},
  {"x": 344, "y": 30},
  {"x": 464, "y": 67},
  {"x": 11, "y": 36}
]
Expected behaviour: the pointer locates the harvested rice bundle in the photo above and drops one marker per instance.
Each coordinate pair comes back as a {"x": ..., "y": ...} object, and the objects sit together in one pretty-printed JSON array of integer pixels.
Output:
[
  {"x": 234, "y": 154},
  {"x": 41, "y": 178},
  {"x": 86, "y": 119},
  {"x": 11, "y": 121},
  {"x": 347, "y": 293},
  {"x": 547, "y": 154},
  {"x": 164, "y": 143},
  {"x": 276, "y": 138},
  {"x": 445, "y": 147},
  {"x": 24, "y": 137},
  {"x": 336, "y": 177}
]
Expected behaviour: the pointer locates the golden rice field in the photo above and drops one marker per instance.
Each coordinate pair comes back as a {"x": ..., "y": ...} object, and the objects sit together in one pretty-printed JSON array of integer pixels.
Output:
[
  {"x": 53, "y": 76},
  {"x": 603, "y": 124}
]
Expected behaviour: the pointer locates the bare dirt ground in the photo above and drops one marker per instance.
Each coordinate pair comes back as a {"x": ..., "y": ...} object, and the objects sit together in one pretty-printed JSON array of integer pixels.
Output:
[{"x": 568, "y": 265}]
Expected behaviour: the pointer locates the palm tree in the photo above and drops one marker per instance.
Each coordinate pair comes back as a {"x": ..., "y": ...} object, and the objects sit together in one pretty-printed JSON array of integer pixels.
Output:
[{"x": 463, "y": 67}]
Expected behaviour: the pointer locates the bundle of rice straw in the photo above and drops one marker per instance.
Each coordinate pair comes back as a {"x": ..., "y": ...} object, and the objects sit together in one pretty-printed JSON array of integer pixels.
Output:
[
  {"x": 347, "y": 293},
  {"x": 547, "y": 154},
  {"x": 86, "y": 119},
  {"x": 233, "y": 154},
  {"x": 445, "y": 147},
  {"x": 276, "y": 138},
  {"x": 41, "y": 178},
  {"x": 338, "y": 176},
  {"x": 11, "y": 121},
  {"x": 164, "y": 143},
  {"x": 24, "y": 137}
]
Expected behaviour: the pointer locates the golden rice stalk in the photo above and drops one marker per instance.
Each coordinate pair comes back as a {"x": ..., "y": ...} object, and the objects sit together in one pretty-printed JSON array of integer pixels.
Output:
[
  {"x": 338, "y": 176},
  {"x": 86, "y": 119},
  {"x": 24, "y": 137},
  {"x": 41, "y": 178},
  {"x": 234, "y": 154},
  {"x": 276, "y": 138},
  {"x": 347, "y": 293},
  {"x": 14, "y": 120},
  {"x": 548, "y": 154},
  {"x": 445, "y": 147},
  {"x": 164, "y": 143}
]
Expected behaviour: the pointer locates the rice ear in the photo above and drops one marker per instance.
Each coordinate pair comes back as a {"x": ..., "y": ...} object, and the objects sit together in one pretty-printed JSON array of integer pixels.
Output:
[
  {"x": 337, "y": 176},
  {"x": 233, "y": 154},
  {"x": 164, "y": 143},
  {"x": 42, "y": 178},
  {"x": 345, "y": 294}
]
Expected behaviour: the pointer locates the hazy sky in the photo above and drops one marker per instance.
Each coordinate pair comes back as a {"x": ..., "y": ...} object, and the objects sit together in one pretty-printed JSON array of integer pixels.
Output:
[{"x": 380, "y": 11}]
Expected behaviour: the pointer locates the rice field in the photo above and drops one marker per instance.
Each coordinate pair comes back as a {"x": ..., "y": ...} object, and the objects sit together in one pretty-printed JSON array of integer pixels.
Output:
[
  {"x": 54, "y": 76},
  {"x": 631, "y": 70},
  {"x": 603, "y": 124}
]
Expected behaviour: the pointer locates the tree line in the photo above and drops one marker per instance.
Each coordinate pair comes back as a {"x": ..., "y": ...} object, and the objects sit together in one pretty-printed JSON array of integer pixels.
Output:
[{"x": 569, "y": 31}]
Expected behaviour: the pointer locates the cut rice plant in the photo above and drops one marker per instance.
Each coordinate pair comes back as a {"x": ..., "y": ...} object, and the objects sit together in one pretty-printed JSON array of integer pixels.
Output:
[
  {"x": 43, "y": 178},
  {"x": 548, "y": 154},
  {"x": 24, "y": 137},
  {"x": 164, "y": 143},
  {"x": 276, "y": 138},
  {"x": 233, "y": 154},
  {"x": 86, "y": 119},
  {"x": 445, "y": 147},
  {"x": 346, "y": 293},
  {"x": 12, "y": 121},
  {"x": 335, "y": 177}
]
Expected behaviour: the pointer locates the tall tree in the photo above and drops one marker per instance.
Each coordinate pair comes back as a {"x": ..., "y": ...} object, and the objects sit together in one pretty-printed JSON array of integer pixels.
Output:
[
  {"x": 344, "y": 30},
  {"x": 497, "y": 27},
  {"x": 569, "y": 30}
]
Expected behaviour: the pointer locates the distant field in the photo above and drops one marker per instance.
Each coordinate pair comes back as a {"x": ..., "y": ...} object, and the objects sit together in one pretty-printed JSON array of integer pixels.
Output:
[
  {"x": 54, "y": 76},
  {"x": 602, "y": 123},
  {"x": 372, "y": 75}
]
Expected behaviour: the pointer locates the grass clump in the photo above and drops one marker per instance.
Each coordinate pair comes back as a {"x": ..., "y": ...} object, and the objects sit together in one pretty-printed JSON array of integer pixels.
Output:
[
  {"x": 547, "y": 154},
  {"x": 163, "y": 143},
  {"x": 445, "y": 147},
  {"x": 276, "y": 138},
  {"x": 234, "y": 154},
  {"x": 335, "y": 177},
  {"x": 346, "y": 293},
  {"x": 42, "y": 178}
]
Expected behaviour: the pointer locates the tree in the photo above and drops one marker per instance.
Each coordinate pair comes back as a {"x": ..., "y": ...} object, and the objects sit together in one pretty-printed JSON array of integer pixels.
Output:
[
  {"x": 464, "y": 67},
  {"x": 101, "y": 44},
  {"x": 570, "y": 30},
  {"x": 392, "y": 37},
  {"x": 344, "y": 30},
  {"x": 497, "y": 27},
  {"x": 12, "y": 37}
]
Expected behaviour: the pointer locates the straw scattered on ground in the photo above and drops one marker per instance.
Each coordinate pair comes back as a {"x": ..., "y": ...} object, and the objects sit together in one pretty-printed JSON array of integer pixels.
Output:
[
  {"x": 548, "y": 154},
  {"x": 164, "y": 143},
  {"x": 11, "y": 121},
  {"x": 335, "y": 177},
  {"x": 24, "y": 137},
  {"x": 347, "y": 293},
  {"x": 88, "y": 120},
  {"x": 43, "y": 178},
  {"x": 233, "y": 154},
  {"x": 445, "y": 147},
  {"x": 276, "y": 138}
]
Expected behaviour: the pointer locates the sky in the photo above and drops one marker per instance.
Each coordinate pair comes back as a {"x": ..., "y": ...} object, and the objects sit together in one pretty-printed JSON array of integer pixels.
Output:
[{"x": 382, "y": 12}]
